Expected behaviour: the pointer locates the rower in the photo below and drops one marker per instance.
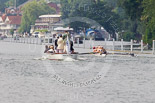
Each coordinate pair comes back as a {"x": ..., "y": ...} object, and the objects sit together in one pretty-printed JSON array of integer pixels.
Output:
[
  {"x": 100, "y": 50},
  {"x": 132, "y": 54}
]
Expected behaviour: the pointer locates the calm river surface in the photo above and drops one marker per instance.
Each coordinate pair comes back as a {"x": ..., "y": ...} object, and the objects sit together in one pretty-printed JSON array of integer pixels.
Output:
[{"x": 91, "y": 79}]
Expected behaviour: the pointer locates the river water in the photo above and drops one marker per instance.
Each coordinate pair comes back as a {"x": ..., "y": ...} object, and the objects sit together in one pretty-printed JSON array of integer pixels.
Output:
[{"x": 91, "y": 79}]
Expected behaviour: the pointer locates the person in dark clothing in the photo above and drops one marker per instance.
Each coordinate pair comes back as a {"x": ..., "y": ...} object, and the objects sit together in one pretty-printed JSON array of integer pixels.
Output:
[
  {"x": 56, "y": 44},
  {"x": 71, "y": 47}
]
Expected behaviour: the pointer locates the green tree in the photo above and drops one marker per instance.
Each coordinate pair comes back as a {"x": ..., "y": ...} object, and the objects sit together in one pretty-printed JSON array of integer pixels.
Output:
[
  {"x": 12, "y": 2},
  {"x": 12, "y": 32},
  {"x": 31, "y": 11},
  {"x": 104, "y": 15},
  {"x": 133, "y": 9},
  {"x": 7, "y": 3},
  {"x": 149, "y": 19},
  {"x": 55, "y": 1},
  {"x": 127, "y": 36},
  {"x": 2, "y": 5},
  {"x": 98, "y": 11}
]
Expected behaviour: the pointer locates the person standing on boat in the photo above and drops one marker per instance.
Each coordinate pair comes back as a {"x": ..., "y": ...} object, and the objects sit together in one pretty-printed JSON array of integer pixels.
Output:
[
  {"x": 60, "y": 43},
  {"x": 65, "y": 36},
  {"x": 71, "y": 47},
  {"x": 56, "y": 44}
]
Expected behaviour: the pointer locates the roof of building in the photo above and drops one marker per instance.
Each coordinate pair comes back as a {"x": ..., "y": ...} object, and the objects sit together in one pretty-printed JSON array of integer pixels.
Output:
[
  {"x": 63, "y": 29},
  {"x": 15, "y": 20},
  {"x": 50, "y": 16}
]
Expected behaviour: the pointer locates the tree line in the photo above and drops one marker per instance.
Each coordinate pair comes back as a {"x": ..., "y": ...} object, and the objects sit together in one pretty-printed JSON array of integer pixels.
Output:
[
  {"x": 7, "y": 3},
  {"x": 132, "y": 19}
]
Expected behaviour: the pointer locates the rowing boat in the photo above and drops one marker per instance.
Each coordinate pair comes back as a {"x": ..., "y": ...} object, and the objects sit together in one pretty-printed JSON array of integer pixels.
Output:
[{"x": 65, "y": 57}]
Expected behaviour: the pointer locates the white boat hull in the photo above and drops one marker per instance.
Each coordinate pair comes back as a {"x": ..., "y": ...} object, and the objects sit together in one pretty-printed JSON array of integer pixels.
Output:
[
  {"x": 66, "y": 57},
  {"x": 61, "y": 56}
]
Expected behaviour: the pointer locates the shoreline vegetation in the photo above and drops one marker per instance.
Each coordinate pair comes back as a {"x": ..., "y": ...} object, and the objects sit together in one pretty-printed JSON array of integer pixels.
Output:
[{"x": 127, "y": 18}]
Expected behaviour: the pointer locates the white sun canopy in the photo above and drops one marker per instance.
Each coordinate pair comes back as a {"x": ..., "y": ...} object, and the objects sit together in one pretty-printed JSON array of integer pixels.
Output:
[{"x": 63, "y": 29}]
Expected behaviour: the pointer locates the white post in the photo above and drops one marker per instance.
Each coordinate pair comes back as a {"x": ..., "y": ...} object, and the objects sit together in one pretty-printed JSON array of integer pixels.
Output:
[
  {"x": 113, "y": 44},
  {"x": 10, "y": 39},
  {"x": 153, "y": 51},
  {"x": 44, "y": 40},
  {"x": 30, "y": 40},
  {"x": 90, "y": 43},
  {"x": 37, "y": 42},
  {"x": 53, "y": 39},
  {"x": 78, "y": 41},
  {"x": 105, "y": 43},
  {"x": 16, "y": 39},
  {"x": 21, "y": 39},
  {"x": 131, "y": 45},
  {"x": 84, "y": 40},
  {"x": 142, "y": 46},
  {"x": 48, "y": 39},
  {"x": 122, "y": 45},
  {"x": 27, "y": 40},
  {"x": 24, "y": 39}
]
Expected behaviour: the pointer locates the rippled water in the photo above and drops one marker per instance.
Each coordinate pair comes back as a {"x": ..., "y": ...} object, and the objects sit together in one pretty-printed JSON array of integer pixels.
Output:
[{"x": 114, "y": 79}]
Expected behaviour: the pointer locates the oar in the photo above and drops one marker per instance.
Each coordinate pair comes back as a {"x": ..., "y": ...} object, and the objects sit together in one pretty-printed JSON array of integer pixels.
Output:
[
  {"x": 132, "y": 54},
  {"x": 89, "y": 53},
  {"x": 86, "y": 53}
]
